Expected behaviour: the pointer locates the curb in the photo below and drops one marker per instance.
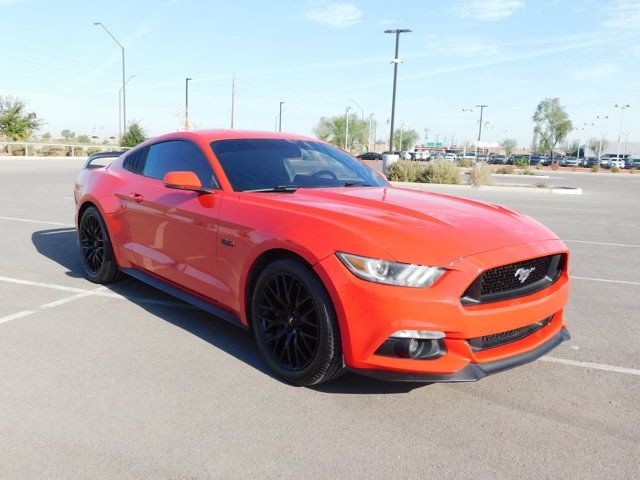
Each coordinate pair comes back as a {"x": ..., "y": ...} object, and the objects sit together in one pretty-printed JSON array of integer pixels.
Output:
[{"x": 493, "y": 188}]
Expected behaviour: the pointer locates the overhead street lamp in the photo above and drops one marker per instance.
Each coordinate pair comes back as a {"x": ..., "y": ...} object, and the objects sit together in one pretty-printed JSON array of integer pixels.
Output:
[
  {"x": 346, "y": 129},
  {"x": 395, "y": 62},
  {"x": 120, "y": 126},
  {"x": 602, "y": 119},
  {"x": 280, "y": 117},
  {"x": 124, "y": 91},
  {"x": 622, "y": 109}
]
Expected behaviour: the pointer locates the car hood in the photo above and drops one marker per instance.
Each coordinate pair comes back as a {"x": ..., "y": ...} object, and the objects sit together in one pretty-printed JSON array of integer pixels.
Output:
[{"x": 413, "y": 226}]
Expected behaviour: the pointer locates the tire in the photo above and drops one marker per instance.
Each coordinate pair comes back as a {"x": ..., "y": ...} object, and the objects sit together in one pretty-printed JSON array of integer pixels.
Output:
[
  {"x": 295, "y": 325},
  {"x": 96, "y": 251}
]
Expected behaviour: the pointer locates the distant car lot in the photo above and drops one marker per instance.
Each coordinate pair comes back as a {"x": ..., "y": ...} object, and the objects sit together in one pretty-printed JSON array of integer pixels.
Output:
[{"x": 128, "y": 382}]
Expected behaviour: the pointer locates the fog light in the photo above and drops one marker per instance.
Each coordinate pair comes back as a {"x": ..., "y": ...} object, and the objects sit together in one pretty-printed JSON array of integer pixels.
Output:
[
  {"x": 421, "y": 334},
  {"x": 407, "y": 348}
]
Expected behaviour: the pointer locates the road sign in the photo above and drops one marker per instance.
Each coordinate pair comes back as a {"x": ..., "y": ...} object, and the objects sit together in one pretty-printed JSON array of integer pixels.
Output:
[{"x": 434, "y": 144}]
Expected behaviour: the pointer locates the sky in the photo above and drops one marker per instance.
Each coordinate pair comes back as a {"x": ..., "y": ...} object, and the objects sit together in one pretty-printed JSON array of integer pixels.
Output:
[{"x": 319, "y": 56}]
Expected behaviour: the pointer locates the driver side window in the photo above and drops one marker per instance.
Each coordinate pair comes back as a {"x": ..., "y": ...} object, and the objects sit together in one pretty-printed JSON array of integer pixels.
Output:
[{"x": 179, "y": 155}]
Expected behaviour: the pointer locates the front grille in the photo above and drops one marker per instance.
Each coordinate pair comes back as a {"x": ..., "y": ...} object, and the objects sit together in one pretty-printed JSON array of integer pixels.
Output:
[
  {"x": 514, "y": 280},
  {"x": 503, "y": 279},
  {"x": 510, "y": 336}
]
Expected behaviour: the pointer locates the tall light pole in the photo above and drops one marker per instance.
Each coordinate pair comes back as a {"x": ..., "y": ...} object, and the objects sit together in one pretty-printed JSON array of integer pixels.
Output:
[
  {"x": 626, "y": 142},
  {"x": 124, "y": 83},
  {"x": 481, "y": 107},
  {"x": 466, "y": 124},
  {"x": 346, "y": 128},
  {"x": 622, "y": 109},
  {"x": 602, "y": 119},
  {"x": 186, "y": 103},
  {"x": 395, "y": 62},
  {"x": 280, "y": 117},
  {"x": 120, "y": 109},
  {"x": 369, "y": 138}
]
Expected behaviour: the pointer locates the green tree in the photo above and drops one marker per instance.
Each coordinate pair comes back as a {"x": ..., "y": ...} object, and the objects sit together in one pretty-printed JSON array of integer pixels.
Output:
[
  {"x": 134, "y": 135},
  {"x": 15, "y": 122},
  {"x": 333, "y": 129},
  {"x": 509, "y": 145},
  {"x": 551, "y": 124},
  {"x": 83, "y": 139},
  {"x": 409, "y": 138},
  {"x": 68, "y": 135}
]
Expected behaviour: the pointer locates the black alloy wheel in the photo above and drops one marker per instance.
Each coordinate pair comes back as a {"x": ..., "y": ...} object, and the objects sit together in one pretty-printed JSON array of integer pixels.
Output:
[{"x": 96, "y": 251}]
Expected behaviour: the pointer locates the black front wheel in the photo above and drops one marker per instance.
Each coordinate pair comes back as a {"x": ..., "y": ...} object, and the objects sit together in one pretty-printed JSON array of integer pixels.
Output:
[
  {"x": 295, "y": 325},
  {"x": 96, "y": 251}
]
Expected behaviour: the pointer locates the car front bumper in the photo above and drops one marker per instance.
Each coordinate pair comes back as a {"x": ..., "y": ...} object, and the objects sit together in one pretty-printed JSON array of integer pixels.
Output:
[{"x": 370, "y": 313}]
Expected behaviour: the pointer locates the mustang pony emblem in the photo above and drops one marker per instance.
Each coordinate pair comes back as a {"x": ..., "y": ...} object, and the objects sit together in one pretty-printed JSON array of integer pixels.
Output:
[{"x": 523, "y": 273}]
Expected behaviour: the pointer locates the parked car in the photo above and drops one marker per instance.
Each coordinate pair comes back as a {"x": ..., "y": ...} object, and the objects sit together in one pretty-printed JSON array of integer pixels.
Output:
[
  {"x": 498, "y": 159},
  {"x": 469, "y": 155},
  {"x": 535, "y": 159},
  {"x": 370, "y": 156},
  {"x": 451, "y": 156},
  {"x": 633, "y": 163},
  {"x": 616, "y": 162},
  {"x": 570, "y": 162},
  {"x": 295, "y": 240},
  {"x": 590, "y": 162}
]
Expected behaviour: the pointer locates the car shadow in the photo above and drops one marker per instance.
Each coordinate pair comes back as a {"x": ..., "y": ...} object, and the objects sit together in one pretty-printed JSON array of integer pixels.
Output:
[{"x": 60, "y": 245}]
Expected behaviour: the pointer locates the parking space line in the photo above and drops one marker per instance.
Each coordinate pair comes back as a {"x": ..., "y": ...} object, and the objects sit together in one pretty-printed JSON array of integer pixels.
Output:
[
  {"x": 42, "y": 284},
  {"x": 561, "y": 220},
  {"x": 594, "y": 366},
  {"x": 605, "y": 280},
  {"x": 28, "y": 220},
  {"x": 49, "y": 305},
  {"x": 602, "y": 243}
]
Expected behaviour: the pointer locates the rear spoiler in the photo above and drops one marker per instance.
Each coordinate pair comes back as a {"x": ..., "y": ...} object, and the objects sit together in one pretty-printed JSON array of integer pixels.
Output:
[{"x": 94, "y": 160}]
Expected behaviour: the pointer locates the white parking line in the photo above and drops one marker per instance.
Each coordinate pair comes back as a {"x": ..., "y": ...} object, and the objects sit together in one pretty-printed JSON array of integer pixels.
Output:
[
  {"x": 561, "y": 220},
  {"x": 35, "y": 221},
  {"x": 594, "y": 366},
  {"x": 605, "y": 280},
  {"x": 602, "y": 243},
  {"x": 46, "y": 306}
]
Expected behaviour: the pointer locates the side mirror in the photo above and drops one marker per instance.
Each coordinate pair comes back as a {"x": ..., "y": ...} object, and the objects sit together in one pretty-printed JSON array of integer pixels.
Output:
[{"x": 183, "y": 181}]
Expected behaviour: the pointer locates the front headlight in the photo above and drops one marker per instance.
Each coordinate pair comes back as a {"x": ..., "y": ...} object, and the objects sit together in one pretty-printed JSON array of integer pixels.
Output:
[{"x": 391, "y": 273}]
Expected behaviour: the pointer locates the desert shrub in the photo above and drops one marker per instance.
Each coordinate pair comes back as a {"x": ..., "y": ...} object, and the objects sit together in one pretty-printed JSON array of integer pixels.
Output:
[
  {"x": 17, "y": 150},
  {"x": 465, "y": 163},
  {"x": 526, "y": 171},
  {"x": 480, "y": 175},
  {"x": 541, "y": 185},
  {"x": 615, "y": 169},
  {"x": 521, "y": 162},
  {"x": 404, "y": 171},
  {"x": 91, "y": 151},
  {"x": 77, "y": 151},
  {"x": 506, "y": 170},
  {"x": 595, "y": 168},
  {"x": 555, "y": 166},
  {"x": 441, "y": 171},
  {"x": 56, "y": 151}
]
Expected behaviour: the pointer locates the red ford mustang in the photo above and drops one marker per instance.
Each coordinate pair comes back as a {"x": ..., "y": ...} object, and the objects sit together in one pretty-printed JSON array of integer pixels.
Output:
[{"x": 328, "y": 265}]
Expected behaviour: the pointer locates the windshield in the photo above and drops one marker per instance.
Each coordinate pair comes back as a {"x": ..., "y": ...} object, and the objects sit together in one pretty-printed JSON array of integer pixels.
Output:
[{"x": 267, "y": 163}]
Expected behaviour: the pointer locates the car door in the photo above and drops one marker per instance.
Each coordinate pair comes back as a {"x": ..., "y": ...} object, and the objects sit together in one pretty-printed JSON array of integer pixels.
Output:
[{"x": 174, "y": 232}]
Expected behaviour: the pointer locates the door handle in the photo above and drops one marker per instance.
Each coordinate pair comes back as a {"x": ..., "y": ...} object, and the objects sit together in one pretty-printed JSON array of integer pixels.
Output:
[{"x": 136, "y": 197}]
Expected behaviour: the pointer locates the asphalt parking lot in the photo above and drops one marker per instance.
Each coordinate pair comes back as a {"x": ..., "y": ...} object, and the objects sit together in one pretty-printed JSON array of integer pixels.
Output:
[{"x": 126, "y": 382}]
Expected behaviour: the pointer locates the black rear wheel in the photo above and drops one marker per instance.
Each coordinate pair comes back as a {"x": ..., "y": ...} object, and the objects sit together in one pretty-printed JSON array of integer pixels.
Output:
[
  {"x": 295, "y": 325},
  {"x": 98, "y": 259}
]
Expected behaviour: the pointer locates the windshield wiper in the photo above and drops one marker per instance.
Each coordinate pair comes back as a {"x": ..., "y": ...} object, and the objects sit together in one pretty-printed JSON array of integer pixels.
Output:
[{"x": 277, "y": 188}]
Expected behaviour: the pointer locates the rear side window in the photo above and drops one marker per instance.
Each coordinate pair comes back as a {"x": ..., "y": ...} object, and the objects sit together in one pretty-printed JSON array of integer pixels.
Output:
[
  {"x": 134, "y": 161},
  {"x": 178, "y": 155}
]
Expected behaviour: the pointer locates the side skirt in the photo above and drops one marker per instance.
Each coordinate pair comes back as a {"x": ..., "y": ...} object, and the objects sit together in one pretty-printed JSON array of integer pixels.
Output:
[{"x": 183, "y": 295}]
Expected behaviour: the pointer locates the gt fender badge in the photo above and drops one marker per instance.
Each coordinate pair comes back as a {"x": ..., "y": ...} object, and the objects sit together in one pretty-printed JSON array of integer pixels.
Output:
[{"x": 523, "y": 273}]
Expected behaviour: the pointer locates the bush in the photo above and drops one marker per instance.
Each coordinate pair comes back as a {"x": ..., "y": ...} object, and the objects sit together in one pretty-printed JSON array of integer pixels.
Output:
[
  {"x": 526, "y": 171},
  {"x": 615, "y": 169},
  {"x": 404, "y": 171},
  {"x": 506, "y": 170},
  {"x": 441, "y": 171},
  {"x": 555, "y": 166},
  {"x": 521, "y": 162},
  {"x": 480, "y": 175},
  {"x": 16, "y": 150},
  {"x": 595, "y": 168},
  {"x": 542, "y": 185},
  {"x": 55, "y": 151},
  {"x": 466, "y": 163}
]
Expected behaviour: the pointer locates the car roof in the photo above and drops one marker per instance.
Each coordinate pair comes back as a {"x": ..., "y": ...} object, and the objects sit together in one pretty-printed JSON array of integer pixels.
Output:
[{"x": 225, "y": 134}]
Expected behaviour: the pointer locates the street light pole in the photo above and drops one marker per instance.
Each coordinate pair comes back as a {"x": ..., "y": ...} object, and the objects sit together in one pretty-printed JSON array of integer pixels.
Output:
[
  {"x": 466, "y": 124},
  {"x": 602, "y": 119},
  {"x": 369, "y": 137},
  {"x": 622, "y": 109},
  {"x": 346, "y": 130},
  {"x": 186, "y": 103},
  {"x": 280, "y": 118},
  {"x": 120, "y": 110},
  {"x": 395, "y": 62},
  {"x": 124, "y": 91},
  {"x": 481, "y": 107}
]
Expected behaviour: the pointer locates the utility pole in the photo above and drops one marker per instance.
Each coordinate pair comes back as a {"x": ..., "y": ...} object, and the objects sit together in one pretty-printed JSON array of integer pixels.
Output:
[
  {"x": 395, "y": 62},
  {"x": 186, "y": 103},
  {"x": 369, "y": 137},
  {"x": 120, "y": 110},
  {"x": 280, "y": 118},
  {"x": 346, "y": 130},
  {"x": 481, "y": 107},
  {"x": 233, "y": 98},
  {"x": 124, "y": 90}
]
